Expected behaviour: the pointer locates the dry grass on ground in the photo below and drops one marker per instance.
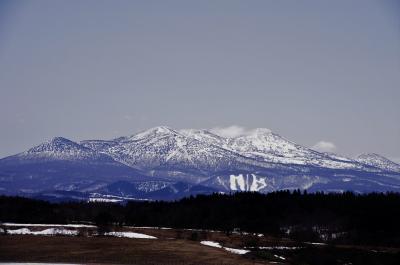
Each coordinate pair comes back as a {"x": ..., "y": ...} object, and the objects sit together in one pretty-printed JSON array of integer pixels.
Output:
[
  {"x": 235, "y": 240},
  {"x": 110, "y": 250}
]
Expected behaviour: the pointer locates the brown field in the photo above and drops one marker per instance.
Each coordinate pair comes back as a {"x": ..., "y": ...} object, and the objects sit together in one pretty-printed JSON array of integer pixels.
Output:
[
  {"x": 112, "y": 250},
  {"x": 235, "y": 240},
  {"x": 173, "y": 246}
]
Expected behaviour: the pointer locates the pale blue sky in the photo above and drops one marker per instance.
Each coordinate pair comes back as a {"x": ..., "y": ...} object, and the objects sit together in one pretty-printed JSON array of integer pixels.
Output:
[{"x": 308, "y": 70}]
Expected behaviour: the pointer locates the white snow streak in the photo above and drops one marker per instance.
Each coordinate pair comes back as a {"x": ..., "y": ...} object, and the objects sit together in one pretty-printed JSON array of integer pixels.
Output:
[
  {"x": 211, "y": 244},
  {"x": 130, "y": 235},
  {"x": 218, "y": 245},
  {"x": 237, "y": 250}
]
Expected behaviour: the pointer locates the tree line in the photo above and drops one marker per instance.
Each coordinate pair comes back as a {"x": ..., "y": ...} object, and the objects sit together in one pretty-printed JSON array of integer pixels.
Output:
[{"x": 339, "y": 217}]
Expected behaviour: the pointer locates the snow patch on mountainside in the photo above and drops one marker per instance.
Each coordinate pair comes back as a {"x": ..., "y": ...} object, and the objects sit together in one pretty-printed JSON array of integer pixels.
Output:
[{"x": 246, "y": 182}]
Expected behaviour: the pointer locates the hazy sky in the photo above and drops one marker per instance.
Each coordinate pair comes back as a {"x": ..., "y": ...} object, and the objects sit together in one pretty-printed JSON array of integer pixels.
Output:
[{"x": 311, "y": 71}]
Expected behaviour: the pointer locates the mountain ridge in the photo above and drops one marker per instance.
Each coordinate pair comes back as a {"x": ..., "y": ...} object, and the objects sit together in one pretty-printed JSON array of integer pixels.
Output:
[{"x": 155, "y": 160}]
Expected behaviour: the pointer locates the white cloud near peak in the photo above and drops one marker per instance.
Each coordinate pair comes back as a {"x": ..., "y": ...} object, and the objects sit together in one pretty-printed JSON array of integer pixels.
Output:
[
  {"x": 324, "y": 146},
  {"x": 395, "y": 159},
  {"x": 230, "y": 131}
]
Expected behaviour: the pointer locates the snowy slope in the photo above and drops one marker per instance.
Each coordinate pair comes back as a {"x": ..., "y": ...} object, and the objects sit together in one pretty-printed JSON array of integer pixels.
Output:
[
  {"x": 263, "y": 144},
  {"x": 258, "y": 161},
  {"x": 164, "y": 151},
  {"x": 60, "y": 148},
  {"x": 378, "y": 161},
  {"x": 61, "y": 164}
]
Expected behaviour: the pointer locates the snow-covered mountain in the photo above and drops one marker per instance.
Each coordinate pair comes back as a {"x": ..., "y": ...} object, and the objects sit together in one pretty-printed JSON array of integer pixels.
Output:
[
  {"x": 257, "y": 161},
  {"x": 165, "y": 163},
  {"x": 60, "y": 148},
  {"x": 165, "y": 152},
  {"x": 262, "y": 144},
  {"x": 61, "y": 164},
  {"x": 378, "y": 161}
]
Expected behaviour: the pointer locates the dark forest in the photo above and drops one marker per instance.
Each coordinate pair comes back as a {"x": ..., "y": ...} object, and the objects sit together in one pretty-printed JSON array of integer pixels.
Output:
[{"x": 368, "y": 219}]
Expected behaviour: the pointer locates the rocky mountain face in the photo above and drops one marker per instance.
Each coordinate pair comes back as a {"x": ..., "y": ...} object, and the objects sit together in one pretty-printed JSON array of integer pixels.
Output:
[{"x": 162, "y": 163}]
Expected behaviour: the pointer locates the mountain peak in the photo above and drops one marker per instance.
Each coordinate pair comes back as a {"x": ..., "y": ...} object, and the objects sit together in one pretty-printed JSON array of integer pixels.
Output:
[
  {"x": 193, "y": 132},
  {"x": 260, "y": 131},
  {"x": 161, "y": 129},
  {"x": 56, "y": 144},
  {"x": 204, "y": 135},
  {"x": 63, "y": 148},
  {"x": 60, "y": 140},
  {"x": 155, "y": 131},
  {"x": 379, "y": 161}
]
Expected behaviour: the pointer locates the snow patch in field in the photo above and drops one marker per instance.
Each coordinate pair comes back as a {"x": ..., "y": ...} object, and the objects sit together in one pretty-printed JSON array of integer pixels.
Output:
[
  {"x": 279, "y": 257},
  {"x": 130, "y": 235},
  {"x": 46, "y": 232},
  {"x": 22, "y": 231},
  {"x": 50, "y": 225},
  {"x": 57, "y": 231},
  {"x": 211, "y": 244},
  {"x": 237, "y": 250},
  {"x": 218, "y": 245},
  {"x": 279, "y": 248},
  {"x": 315, "y": 243}
]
